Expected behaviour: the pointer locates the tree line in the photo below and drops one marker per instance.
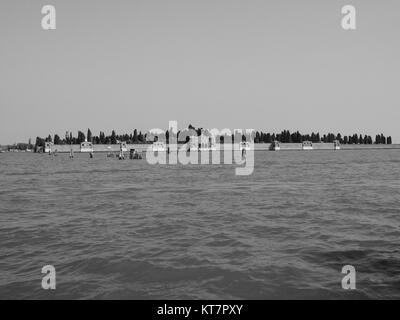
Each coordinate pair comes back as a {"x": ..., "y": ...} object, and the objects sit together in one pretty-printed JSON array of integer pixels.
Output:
[
  {"x": 102, "y": 138},
  {"x": 259, "y": 137},
  {"x": 286, "y": 137}
]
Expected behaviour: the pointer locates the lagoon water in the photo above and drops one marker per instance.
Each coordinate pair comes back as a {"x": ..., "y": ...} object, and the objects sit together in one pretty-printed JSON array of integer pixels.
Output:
[{"x": 127, "y": 229}]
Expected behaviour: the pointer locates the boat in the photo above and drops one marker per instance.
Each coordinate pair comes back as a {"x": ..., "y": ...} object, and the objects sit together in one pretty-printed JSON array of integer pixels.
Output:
[{"x": 307, "y": 145}]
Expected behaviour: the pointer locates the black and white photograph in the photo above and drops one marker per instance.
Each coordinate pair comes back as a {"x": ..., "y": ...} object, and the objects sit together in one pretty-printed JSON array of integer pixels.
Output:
[{"x": 198, "y": 150}]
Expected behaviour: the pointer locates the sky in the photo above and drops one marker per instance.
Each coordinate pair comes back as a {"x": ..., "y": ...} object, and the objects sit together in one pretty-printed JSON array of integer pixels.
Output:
[{"x": 250, "y": 64}]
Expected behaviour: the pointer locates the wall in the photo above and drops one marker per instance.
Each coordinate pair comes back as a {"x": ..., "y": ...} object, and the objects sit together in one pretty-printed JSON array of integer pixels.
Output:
[{"x": 257, "y": 147}]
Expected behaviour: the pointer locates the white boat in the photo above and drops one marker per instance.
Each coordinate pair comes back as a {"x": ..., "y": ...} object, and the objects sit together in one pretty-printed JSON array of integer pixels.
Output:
[
  {"x": 307, "y": 145},
  {"x": 86, "y": 146}
]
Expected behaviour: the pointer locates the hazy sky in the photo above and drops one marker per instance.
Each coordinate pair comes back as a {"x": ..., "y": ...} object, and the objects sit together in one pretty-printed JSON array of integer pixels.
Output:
[{"x": 268, "y": 65}]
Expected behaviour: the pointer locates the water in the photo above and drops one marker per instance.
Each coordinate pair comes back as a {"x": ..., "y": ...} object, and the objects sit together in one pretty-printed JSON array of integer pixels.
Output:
[{"x": 127, "y": 229}]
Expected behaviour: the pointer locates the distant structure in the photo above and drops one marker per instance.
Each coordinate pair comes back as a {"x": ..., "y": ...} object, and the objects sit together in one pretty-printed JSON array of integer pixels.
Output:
[
  {"x": 336, "y": 145},
  {"x": 307, "y": 145},
  {"x": 86, "y": 146},
  {"x": 244, "y": 145},
  {"x": 158, "y": 146},
  {"x": 48, "y": 147},
  {"x": 122, "y": 146},
  {"x": 275, "y": 146},
  {"x": 203, "y": 142},
  {"x": 121, "y": 155},
  {"x": 134, "y": 154},
  {"x": 29, "y": 146}
]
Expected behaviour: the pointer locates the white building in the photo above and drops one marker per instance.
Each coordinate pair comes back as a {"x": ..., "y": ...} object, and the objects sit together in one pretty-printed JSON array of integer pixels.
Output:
[
  {"x": 48, "y": 147},
  {"x": 86, "y": 146},
  {"x": 205, "y": 142}
]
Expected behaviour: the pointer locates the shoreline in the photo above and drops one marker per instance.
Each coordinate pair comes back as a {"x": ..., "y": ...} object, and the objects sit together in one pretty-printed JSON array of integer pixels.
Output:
[{"x": 113, "y": 148}]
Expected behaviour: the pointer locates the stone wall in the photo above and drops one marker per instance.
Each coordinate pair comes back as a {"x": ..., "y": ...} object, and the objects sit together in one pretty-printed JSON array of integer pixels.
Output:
[{"x": 257, "y": 147}]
